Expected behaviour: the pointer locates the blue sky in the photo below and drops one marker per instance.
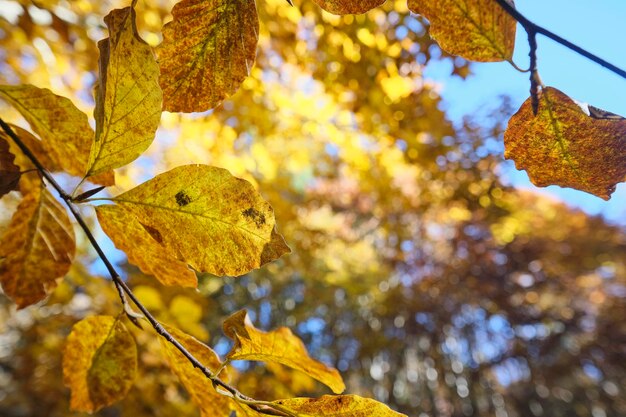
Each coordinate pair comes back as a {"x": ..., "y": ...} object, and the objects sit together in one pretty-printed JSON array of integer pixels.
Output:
[{"x": 600, "y": 28}]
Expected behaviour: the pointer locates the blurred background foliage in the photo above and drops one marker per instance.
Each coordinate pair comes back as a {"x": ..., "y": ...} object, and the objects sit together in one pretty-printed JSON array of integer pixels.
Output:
[{"x": 429, "y": 284}]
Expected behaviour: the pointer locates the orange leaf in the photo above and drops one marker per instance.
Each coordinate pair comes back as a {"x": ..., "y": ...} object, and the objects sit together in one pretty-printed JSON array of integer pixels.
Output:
[
  {"x": 563, "y": 145},
  {"x": 348, "y": 6},
  {"x": 207, "y": 51},
  {"x": 338, "y": 406},
  {"x": 9, "y": 172},
  {"x": 280, "y": 346},
  {"x": 37, "y": 248},
  {"x": 478, "y": 30},
  {"x": 99, "y": 363}
]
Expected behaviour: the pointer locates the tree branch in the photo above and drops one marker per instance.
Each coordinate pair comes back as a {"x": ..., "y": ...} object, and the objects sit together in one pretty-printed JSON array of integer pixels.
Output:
[
  {"x": 124, "y": 290},
  {"x": 532, "y": 27}
]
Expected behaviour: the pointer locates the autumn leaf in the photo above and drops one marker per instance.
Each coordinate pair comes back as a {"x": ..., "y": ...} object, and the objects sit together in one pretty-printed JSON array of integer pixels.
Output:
[
  {"x": 348, "y": 6},
  {"x": 199, "y": 387},
  {"x": 9, "y": 172},
  {"x": 478, "y": 30},
  {"x": 143, "y": 246},
  {"x": 280, "y": 346},
  {"x": 207, "y": 51},
  {"x": 563, "y": 145},
  {"x": 338, "y": 406},
  {"x": 35, "y": 146},
  {"x": 99, "y": 363},
  {"x": 64, "y": 130},
  {"x": 128, "y": 97},
  {"x": 37, "y": 248},
  {"x": 211, "y": 220}
]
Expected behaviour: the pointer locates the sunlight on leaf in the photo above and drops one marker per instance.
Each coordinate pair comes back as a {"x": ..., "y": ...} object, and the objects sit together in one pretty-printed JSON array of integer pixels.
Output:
[
  {"x": 34, "y": 145},
  {"x": 338, "y": 406},
  {"x": 99, "y": 363},
  {"x": 211, "y": 220},
  {"x": 478, "y": 30},
  {"x": 9, "y": 172},
  {"x": 37, "y": 248},
  {"x": 348, "y": 6},
  {"x": 128, "y": 97},
  {"x": 207, "y": 51},
  {"x": 280, "y": 345},
  {"x": 563, "y": 145}
]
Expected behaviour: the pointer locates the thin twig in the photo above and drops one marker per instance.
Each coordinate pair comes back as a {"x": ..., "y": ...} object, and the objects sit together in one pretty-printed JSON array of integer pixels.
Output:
[
  {"x": 532, "y": 27},
  {"x": 124, "y": 290}
]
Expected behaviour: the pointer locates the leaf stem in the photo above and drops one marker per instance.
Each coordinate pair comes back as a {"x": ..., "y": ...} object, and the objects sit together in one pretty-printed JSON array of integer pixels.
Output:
[
  {"x": 124, "y": 290},
  {"x": 534, "y": 28}
]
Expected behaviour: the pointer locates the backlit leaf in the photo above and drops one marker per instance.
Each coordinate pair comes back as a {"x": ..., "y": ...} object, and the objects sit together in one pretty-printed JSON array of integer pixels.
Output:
[
  {"x": 478, "y": 30},
  {"x": 143, "y": 246},
  {"x": 128, "y": 97},
  {"x": 37, "y": 248},
  {"x": 99, "y": 363},
  {"x": 563, "y": 145},
  {"x": 211, "y": 220},
  {"x": 207, "y": 51},
  {"x": 338, "y": 406},
  {"x": 280, "y": 345},
  {"x": 348, "y": 6},
  {"x": 64, "y": 130},
  {"x": 34, "y": 145},
  {"x": 198, "y": 386},
  {"x": 9, "y": 172}
]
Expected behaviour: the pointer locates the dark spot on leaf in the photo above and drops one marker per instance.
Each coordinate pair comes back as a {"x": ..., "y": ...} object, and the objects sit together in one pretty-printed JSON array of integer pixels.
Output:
[
  {"x": 182, "y": 199},
  {"x": 156, "y": 235},
  {"x": 256, "y": 216}
]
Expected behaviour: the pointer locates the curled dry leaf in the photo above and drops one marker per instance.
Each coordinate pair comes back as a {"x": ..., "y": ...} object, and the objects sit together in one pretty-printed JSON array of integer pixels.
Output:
[
  {"x": 478, "y": 30},
  {"x": 207, "y": 51},
  {"x": 128, "y": 96},
  {"x": 563, "y": 145},
  {"x": 203, "y": 216},
  {"x": 9, "y": 172},
  {"x": 37, "y": 248},
  {"x": 280, "y": 346},
  {"x": 99, "y": 363},
  {"x": 348, "y": 6},
  {"x": 338, "y": 406}
]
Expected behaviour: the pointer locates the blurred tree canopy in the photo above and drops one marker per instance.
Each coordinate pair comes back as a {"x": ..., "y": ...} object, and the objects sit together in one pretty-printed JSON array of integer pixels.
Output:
[{"x": 428, "y": 283}]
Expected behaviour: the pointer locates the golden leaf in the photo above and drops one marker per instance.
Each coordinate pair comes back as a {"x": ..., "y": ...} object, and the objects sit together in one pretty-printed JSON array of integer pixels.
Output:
[
  {"x": 143, "y": 246},
  {"x": 128, "y": 96},
  {"x": 211, "y": 220},
  {"x": 199, "y": 387},
  {"x": 99, "y": 363},
  {"x": 66, "y": 136},
  {"x": 338, "y": 406},
  {"x": 279, "y": 346},
  {"x": 207, "y": 51},
  {"x": 478, "y": 30},
  {"x": 9, "y": 172},
  {"x": 348, "y": 6},
  {"x": 34, "y": 145},
  {"x": 37, "y": 248},
  {"x": 563, "y": 145}
]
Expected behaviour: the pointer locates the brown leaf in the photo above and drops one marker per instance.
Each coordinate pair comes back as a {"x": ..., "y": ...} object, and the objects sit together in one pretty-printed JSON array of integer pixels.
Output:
[
  {"x": 37, "y": 248},
  {"x": 128, "y": 97},
  {"x": 338, "y": 406},
  {"x": 562, "y": 145},
  {"x": 9, "y": 172},
  {"x": 279, "y": 346},
  {"x": 478, "y": 30},
  {"x": 207, "y": 51},
  {"x": 99, "y": 363},
  {"x": 348, "y": 6}
]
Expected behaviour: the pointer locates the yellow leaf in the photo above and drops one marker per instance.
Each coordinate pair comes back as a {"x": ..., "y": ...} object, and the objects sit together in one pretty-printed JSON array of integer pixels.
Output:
[
  {"x": 99, "y": 363},
  {"x": 34, "y": 145},
  {"x": 198, "y": 386},
  {"x": 338, "y": 406},
  {"x": 37, "y": 248},
  {"x": 9, "y": 172},
  {"x": 188, "y": 314},
  {"x": 563, "y": 145},
  {"x": 66, "y": 136},
  {"x": 211, "y": 220},
  {"x": 279, "y": 346},
  {"x": 143, "y": 246},
  {"x": 478, "y": 30},
  {"x": 128, "y": 97},
  {"x": 207, "y": 51},
  {"x": 348, "y": 6}
]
